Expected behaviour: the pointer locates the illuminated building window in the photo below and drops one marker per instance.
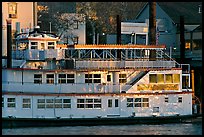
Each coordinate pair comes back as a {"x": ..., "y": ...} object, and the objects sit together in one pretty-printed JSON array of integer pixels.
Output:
[
  {"x": 12, "y": 10},
  {"x": 26, "y": 103},
  {"x": 187, "y": 45},
  {"x": 11, "y": 102}
]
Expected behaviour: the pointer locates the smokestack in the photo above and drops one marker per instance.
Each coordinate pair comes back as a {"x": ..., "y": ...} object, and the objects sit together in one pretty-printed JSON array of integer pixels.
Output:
[
  {"x": 119, "y": 36},
  {"x": 118, "y": 29},
  {"x": 9, "y": 44},
  {"x": 182, "y": 40},
  {"x": 152, "y": 28}
]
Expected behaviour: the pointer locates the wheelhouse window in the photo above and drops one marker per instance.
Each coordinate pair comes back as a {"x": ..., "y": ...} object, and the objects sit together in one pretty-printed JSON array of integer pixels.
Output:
[
  {"x": 11, "y": 102},
  {"x": 50, "y": 78},
  {"x": 26, "y": 103},
  {"x": 34, "y": 45},
  {"x": 38, "y": 78},
  {"x": 169, "y": 78},
  {"x": 51, "y": 45}
]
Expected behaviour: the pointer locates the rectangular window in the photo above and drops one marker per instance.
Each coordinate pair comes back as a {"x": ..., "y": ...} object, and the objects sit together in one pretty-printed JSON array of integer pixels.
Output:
[
  {"x": 51, "y": 45},
  {"x": 34, "y": 45},
  {"x": 122, "y": 78},
  {"x": 26, "y": 103},
  {"x": 12, "y": 10},
  {"x": 88, "y": 78},
  {"x": 152, "y": 78},
  {"x": 92, "y": 78},
  {"x": 97, "y": 78},
  {"x": 37, "y": 78},
  {"x": 108, "y": 78},
  {"x": 41, "y": 103},
  {"x": 54, "y": 103},
  {"x": 88, "y": 103},
  {"x": 176, "y": 78},
  {"x": 109, "y": 103},
  {"x": 169, "y": 78},
  {"x": 11, "y": 102},
  {"x": 166, "y": 99},
  {"x": 160, "y": 78},
  {"x": 137, "y": 102},
  {"x": 2, "y": 102},
  {"x": 66, "y": 103},
  {"x": 116, "y": 102},
  {"x": 179, "y": 99},
  {"x": 76, "y": 40},
  {"x": 50, "y": 78},
  {"x": 66, "y": 78}
]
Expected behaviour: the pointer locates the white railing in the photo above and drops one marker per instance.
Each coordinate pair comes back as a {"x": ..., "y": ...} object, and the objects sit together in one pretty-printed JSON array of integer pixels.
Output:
[
  {"x": 125, "y": 64},
  {"x": 38, "y": 54},
  {"x": 27, "y": 87}
]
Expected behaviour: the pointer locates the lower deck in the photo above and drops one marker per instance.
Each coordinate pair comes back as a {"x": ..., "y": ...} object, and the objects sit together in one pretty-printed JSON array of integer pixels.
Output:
[{"x": 95, "y": 105}]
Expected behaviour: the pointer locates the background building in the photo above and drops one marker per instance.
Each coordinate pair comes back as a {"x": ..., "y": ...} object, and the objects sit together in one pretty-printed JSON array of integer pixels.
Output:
[{"x": 21, "y": 20}]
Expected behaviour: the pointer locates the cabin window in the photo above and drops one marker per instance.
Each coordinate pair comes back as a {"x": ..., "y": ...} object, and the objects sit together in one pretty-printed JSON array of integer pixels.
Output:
[
  {"x": 166, "y": 99},
  {"x": 160, "y": 78},
  {"x": 152, "y": 78},
  {"x": 38, "y": 78},
  {"x": 122, "y": 78},
  {"x": 66, "y": 78},
  {"x": 50, "y": 78},
  {"x": 109, "y": 103},
  {"x": 116, "y": 102},
  {"x": 179, "y": 99},
  {"x": 54, "y": 103},
  {"x": 92, "y": 78},
  {"x": 51, "y": 45},
  {"x": 108, "y": 78},
  {"x": 2, "y": 102},
  {"x": 185, "y": 82},
  {"x": 176, "y": 78},
  {"x": 11, "y": 102},
  {"x": 89, "y": 103},
  {"x": 155, "y": 109},
  {"x": 169, "y": 78},
  {"x": 26, "y": 103},
  {"x": 34, "y": 45},
  {"x": 137, "y": 102}
]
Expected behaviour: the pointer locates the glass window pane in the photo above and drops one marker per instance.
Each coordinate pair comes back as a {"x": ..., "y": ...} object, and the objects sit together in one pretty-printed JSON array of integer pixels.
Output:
[
  {"x": 176, "y": 78},
  {"x": 152, "y": 78},
  {"x": 160, "y": 78},
  {"x": 169, "y": 78}
]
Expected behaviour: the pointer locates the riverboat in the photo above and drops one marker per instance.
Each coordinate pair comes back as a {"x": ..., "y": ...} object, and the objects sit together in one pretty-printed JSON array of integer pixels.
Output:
[{"x": 45, "y": 83}]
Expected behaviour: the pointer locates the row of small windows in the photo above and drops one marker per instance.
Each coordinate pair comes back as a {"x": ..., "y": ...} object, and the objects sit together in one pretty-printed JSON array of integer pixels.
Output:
[
  {"x": 70, "y": 78},
  {"x": 164, "y": 78},
  {"x": 81, "y": 103}
]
